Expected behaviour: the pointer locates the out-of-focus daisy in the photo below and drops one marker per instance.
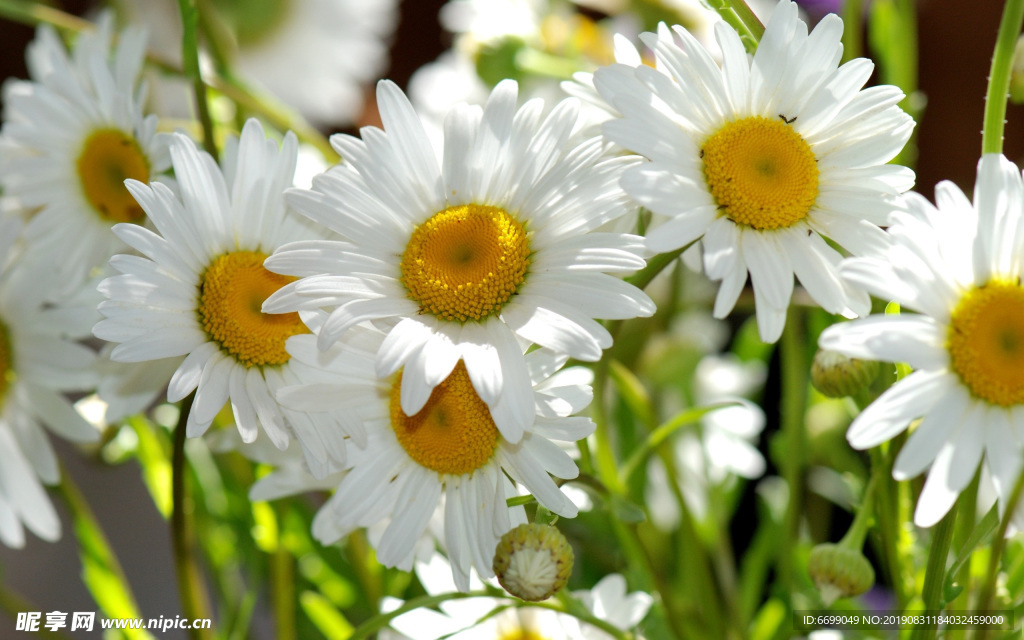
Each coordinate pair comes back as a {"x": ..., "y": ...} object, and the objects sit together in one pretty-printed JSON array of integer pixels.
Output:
[
  {"x": 958, "y": 265},
  {"x": 38, "y": 363},
  {"x": 724, "y": 450},
  {"x": 449, "y": 452},
  {"x": 72, "y": 135},
  {"x": 198, "y": 289},
  {"x": 315, "y": 55},
  {"x": 466, "y": 619},
  {"x": 463, "y": 259},
  {"x": 762, "y": 159},
  {"x": 291, "y": 474}
]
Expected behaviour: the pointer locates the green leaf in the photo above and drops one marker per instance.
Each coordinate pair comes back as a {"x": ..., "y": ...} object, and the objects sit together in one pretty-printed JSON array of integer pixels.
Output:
[
  {"x": 982, "y": 532},
  {"x": 768, "y": 620},
  {"x": 327, "y": 619},
  {"x": 153, "y": 454},
  {"x": 664, "y": 431},
  {"x": 101, "y": 572}
]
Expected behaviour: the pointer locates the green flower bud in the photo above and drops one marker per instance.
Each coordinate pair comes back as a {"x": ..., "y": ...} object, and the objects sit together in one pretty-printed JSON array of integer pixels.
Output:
[
  {"x": 839, "y": 572},
  {"x": 533, "y": 561},
  {"x": 1017, "y": 73},
  {"x": 837, "y": 376}
]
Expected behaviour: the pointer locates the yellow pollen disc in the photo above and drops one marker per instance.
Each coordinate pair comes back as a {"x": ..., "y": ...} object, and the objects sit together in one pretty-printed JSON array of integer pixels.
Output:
[
  {"x": 6, "y": 363},
  {"x": 986, "y": 342},
  {"x": 465, "y": 262},
  {"x": 231, "y": 295},
  {"x": 521, "y": 634},
  {"x": 108, "y": 158},
  {"x": 453, "y": 433},
  {"x": 761, "y": 172}
]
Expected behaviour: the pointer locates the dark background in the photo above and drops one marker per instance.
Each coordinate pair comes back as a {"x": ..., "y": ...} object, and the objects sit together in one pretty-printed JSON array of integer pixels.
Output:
[{"x": 956, "y": 40}]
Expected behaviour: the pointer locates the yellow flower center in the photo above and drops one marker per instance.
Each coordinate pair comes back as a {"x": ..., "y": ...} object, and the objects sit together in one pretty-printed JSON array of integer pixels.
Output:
[
  {"x": 453, "y": 433},
  {"x": 108, "y": 158},
  {"x": 231, "y": 295},
  {"x": 986, "y": 342},
  {"x": 521, "y": 634},
  {"x": 761, "y": 172},
  {"x": 465, "y": 262},
  {"x": 6, "y": 363}
]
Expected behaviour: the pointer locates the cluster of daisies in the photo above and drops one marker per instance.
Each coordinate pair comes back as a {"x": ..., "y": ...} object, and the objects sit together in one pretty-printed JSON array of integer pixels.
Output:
[{"x": 403, "y": 326}]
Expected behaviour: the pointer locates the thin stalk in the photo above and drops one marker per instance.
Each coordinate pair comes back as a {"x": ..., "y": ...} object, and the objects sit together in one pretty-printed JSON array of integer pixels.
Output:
[
  {"x": 935, "y": 571},
  {"x": 277, "y": 114},
  {"x": 358, "y": 552},
  {"x": 381, "y": 620},
  {"x": 988, "y": 589},
  {"x": 13, "y": 604},
  {"x": 853, "y": 25},
  {"x": 655, "y": 265},
  {"x": 282, "y": 576},
  {"x": 795, "y": 369},
  {"x": 858, "y": 531},
  {"x": 32, "y": 13},
  {"x": 738, "y": 15},
  {"x": 604, "y": 453},
  {"x": 888, "y": 519},
  {"x": 191, "y": 588},
  {"x": 698, "y": 559},
  {"x": 964, "y": 527},
  {"x": 999, "y": 77},
  {"x": 190, "y": 60},
  {"x": 583, "y": 616}
]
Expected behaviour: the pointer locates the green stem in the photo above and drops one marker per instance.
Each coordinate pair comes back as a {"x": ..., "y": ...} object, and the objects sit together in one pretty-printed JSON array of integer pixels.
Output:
[
  {"x": 13, "y": 604},
  {"x": 961, "y": 535},
  {"x": 853, "y": 24},
  {"x": 582, "y": 615},
  {"x": 988, "y": 589},
  {"x": 698, "y": 570},
  {"x": 282, "y": 588},
  {"x": 794, "y": 400},
  {"x": 276, "y": 113},
  {"x": 935, "y": 571},
  {"x": 854, "y": 538},
  {"x": 663, "y": 432},
  {"x": 655, "y": 265},
  {"x": 190, "y": 62},
  {"x": 366, "y": 568},
  {"x": 604, "y": 455},
  {"x": 999, "y": 76},
  {"x": 381, "y": 620},
  {"x": 32, "y": 13},
  {"x": 738, "y": 15},
  {"x": 191, "y": 588},
  {"x": 887, "y": 516}
]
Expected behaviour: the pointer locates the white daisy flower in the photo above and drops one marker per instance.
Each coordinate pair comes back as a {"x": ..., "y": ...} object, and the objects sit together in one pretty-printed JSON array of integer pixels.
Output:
[
  {"x": 467, "y": 619},
  {"x": 74, "y": 133},
  {"x": 463, "y": 259},
  {"x": 450, "y": 452},
  {"x": 762, "y": 159},
  {"x": 198, "y": 289},
  {"x": 958, "y": 265},
  {"x": 39, "y": 361},
  {"x": 609, "y": 601}
]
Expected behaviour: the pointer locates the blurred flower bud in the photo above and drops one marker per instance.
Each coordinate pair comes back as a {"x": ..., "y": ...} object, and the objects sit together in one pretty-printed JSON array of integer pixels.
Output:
[
  {"x": 839, "y": 572},
  {"x": 1017, "y": 73},
  {"x": 533, "y": 561},
  {"x": 836, "y": 375}
]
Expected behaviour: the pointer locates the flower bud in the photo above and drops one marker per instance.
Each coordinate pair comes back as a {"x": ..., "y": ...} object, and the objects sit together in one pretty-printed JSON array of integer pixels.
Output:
[
  {"x": 1017, "y": 73},
  {"x": 533, "y": 561},
  {"x": 836, "y": 375},
  {"x": 839, "y": 572}
]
